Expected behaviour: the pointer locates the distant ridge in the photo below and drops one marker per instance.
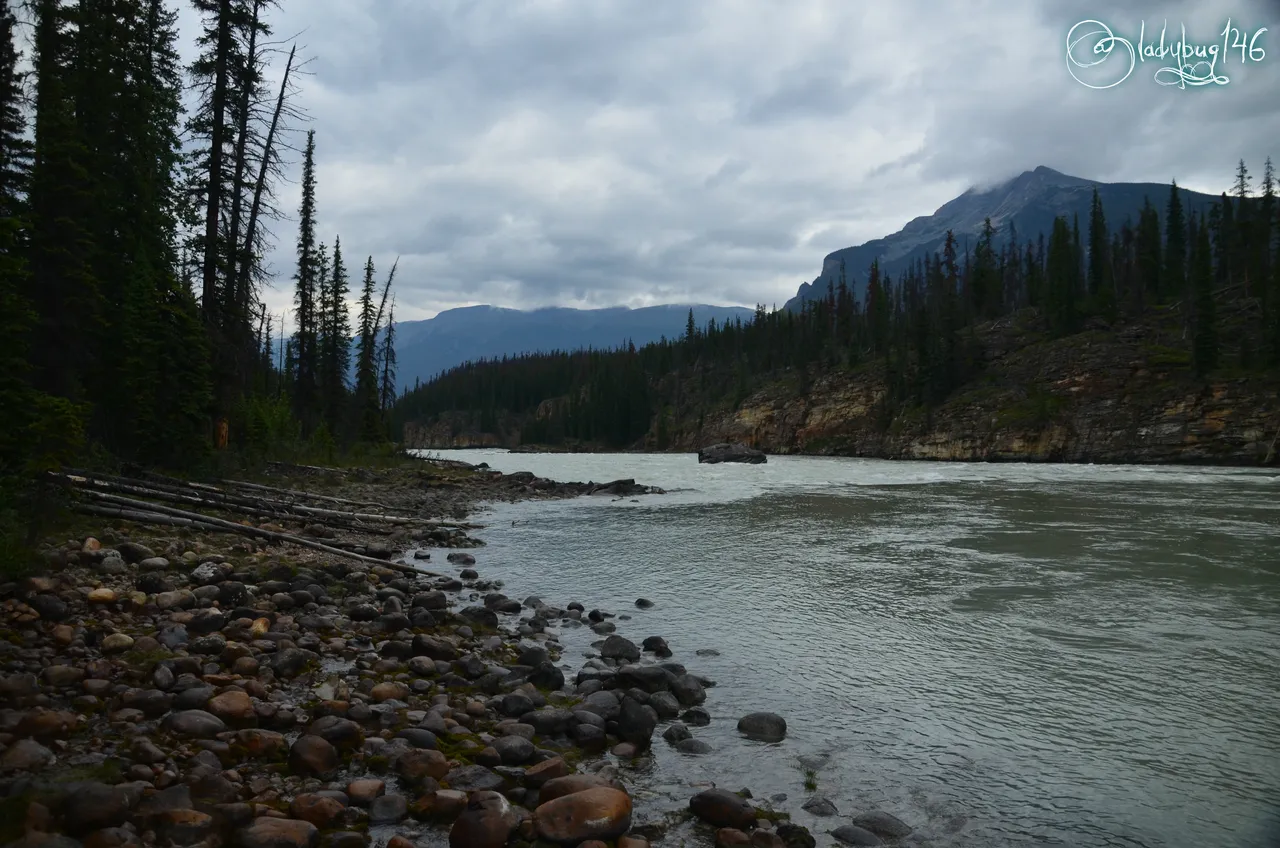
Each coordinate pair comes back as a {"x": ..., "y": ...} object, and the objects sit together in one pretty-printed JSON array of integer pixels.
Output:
[
  {"x": 469, "y": 333},
  {"x": 1030, "y": 201}
]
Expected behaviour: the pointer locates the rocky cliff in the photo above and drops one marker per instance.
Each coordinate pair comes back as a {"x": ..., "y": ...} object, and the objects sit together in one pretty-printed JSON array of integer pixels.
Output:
[
  {"x": 1124, "y": 394},
  {"x": 1100, "y": 396}
]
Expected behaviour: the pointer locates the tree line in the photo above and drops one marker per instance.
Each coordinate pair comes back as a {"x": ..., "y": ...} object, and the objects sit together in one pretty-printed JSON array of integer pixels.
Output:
[
  {"x": 132, "y": 241},
  {"x": 920, "y": 328}
]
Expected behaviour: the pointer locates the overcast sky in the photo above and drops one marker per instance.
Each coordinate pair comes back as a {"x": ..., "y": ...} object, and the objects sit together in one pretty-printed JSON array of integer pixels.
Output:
[{"x": 589, "y": 153}]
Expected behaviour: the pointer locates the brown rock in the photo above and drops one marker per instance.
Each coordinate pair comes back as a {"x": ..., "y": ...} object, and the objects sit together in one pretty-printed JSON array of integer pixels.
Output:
[
  {"x": 183, "y": 827},
  {"x": 630, "y": 841},
  {"x": 102, "y": 596},
  {"x": 560, "y": 786},
  {"x": 418, "y": 763},
  {"x": 389, "y": 690},
  {"x": 487, "y": 822},
  {"x": 539, "y": 773},
  {"x": 597, "y": 813},
  {"x": 270, "y": 832},
  {"x": 399, "y": 842},
  {"x": 42, "y": 722},
  {"x": 445, "y": 804},
  {"x": 766, "y": 839},
  {"x": 233, "y": 707},
  {"x": 117, "y": 642},
  {"x": 722, "y": 808},
  {"x": 320, "y": 810},
  {"x": 363, "y": 791},
  {"x": 64, "y": 634},
  {"x": 731, "y": 837},
  {"x": 312, "y": 756},
  {"x": 261, "y": 743}
]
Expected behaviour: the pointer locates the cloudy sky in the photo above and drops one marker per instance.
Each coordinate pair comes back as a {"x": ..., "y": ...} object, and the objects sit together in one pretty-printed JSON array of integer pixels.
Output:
[{"x": 589, "y": 153}]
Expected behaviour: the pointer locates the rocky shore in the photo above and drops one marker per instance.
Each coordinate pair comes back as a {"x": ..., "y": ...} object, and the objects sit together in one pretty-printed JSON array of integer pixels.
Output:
[{"x": 174, "y": 687}]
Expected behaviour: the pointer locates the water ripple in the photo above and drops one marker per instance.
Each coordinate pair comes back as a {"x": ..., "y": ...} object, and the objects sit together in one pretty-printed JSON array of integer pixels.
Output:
[{"x": 1003, "y": 655}]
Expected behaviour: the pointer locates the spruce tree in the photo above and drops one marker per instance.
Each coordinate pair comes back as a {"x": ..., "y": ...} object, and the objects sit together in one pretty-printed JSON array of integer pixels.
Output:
[
  {"x": 1174, "y": 282},
  {"x": 1101, "y": 279},
  {"x": 367, "y": 400},
  {"x": 306, "y": 389},
  {"x": 1205, "y": 339},
  {"x": 335, "y": 355},
  {"x": 1148, "y": 254}
]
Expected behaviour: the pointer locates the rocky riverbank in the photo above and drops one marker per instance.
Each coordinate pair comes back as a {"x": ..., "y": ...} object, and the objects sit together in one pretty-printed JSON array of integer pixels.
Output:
[{"x": 182, "y": 686}]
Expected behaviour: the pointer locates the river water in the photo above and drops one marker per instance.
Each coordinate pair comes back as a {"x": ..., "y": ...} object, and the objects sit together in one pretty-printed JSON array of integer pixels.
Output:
[{"x": 998, "y": 654}]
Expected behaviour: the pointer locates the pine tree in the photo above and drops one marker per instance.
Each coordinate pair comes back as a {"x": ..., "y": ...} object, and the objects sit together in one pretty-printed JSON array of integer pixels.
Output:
[
  {"x": 1205, "y": 339},
  {"x": 387, "y": 358},
  {"x": 1174, "y": 281},
  {"x": 1060, "y": 300},
  {"x": 306, "y": 334},
  {"x": 335, "y": 355},
  {"x": 1149, "y": 255},
  {"x": 367, "y": 395},
  {"x": 1101, "y": 279}
]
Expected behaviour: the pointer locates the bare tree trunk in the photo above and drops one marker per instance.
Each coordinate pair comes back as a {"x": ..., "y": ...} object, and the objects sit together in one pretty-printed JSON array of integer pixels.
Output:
[
  {"x": 246, "y": 249},
  {"x": 216, "y": 141}
]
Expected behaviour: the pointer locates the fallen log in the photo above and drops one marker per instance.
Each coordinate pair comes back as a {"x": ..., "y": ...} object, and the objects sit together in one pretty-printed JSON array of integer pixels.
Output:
[
  {"x": 258, "y": 509},
  {"x": 259, "y": 487},
  {"x": 248, "y": 530},
  {"x": 143, "y": 517}
]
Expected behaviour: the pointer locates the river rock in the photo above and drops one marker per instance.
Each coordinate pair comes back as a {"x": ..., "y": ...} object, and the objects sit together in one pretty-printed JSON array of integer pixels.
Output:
[
  {"x": 688, "y": 690},
  {"x": 91, "y": 806},
  {"x": 271, "y": 832},
  {"x": 321, "y": 810},
  {"x": 597, "y": 813},
  {"x": 693, "y": 746},
  {"x": 731, "y": 837},
  {"x": 730, "y": 452},
  {"x": 636, "y": 721},
  {"x": 722, "y": 808},
  {"x": 473, "y": 779},
  {"x": 311, "y": 755},
  {"x": 26, "y": 755},
  {"x": 619, "y": 648},
  {"x": 363, "y": 791},
  {"x": 569, "y": 784},
  {"x": 514, "y": 750},
  {"x": 882, "y": 824},
  {"x": 488, "y": 822},
  {"x": 766, "y": 727},
  {"x": 233, "y": 706},
  {"x": 819, "y": 806},
  {"x": 388, "y": 809},
  {"x": 851, "y": 834},
  {"x": 197, "y": 724},
  {"x": 657, "y": 646}
]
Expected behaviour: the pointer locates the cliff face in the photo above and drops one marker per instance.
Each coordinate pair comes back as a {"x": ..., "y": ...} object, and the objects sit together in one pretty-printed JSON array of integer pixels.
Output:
[
  {"x": 1123, "y": 395},
  {"x": 1099, "y": 396}
]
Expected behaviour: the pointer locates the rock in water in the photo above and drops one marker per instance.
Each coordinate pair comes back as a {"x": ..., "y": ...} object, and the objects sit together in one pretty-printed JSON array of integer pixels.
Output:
[
  {"x": 730, "y": 452},
  {"x": 851, "y": 834},
  {"x": 722, "y": 808},
  {"x": 766, "y": 727},
  {"x": 597, "y": 813}
]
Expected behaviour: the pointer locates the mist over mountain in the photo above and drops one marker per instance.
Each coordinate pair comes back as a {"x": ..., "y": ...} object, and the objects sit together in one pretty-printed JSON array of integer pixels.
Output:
[{"x": 1028, "y": 202}]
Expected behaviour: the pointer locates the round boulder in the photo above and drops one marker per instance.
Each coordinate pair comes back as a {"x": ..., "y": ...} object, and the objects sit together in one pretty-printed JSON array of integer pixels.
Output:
[
  {"x": 600, "y": 812},
  {"x": 766, "y": 727}
]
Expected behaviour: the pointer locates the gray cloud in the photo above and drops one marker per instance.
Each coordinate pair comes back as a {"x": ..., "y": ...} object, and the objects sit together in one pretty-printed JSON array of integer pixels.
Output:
[{"x": 537, "y": 152}]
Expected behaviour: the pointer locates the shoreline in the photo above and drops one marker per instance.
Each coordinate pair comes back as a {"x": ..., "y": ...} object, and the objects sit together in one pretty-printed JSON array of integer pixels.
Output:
[
  {"x": 200, "y": 688},
  {"x": 1194, "y": 462}
]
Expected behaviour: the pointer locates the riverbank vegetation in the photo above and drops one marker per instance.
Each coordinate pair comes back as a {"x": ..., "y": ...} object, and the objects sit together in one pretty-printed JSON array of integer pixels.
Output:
[
  {"x": 133, "y": 231},
  {"x": 1203, "y": 287}
]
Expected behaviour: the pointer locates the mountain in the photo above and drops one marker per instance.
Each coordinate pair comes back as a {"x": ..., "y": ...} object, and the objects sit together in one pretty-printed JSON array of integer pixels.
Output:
[
  {"x": 1029, "y": 202},
  {"x": 425, "y": 348}
]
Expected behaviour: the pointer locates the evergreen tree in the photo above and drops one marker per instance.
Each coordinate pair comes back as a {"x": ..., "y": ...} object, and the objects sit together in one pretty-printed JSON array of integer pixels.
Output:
[
  {"x": 367, "y": 388},
  {"x": 1148, "y": 255},
  {"x": 1205, "y": 340},
  {"x": 387, "y": 358},
  {"x": 1174, "y": 282},
  {"x": 1101, "y": 279},
  {"x": 306, "y": 334},
  {"x": 335, "y": 355}
]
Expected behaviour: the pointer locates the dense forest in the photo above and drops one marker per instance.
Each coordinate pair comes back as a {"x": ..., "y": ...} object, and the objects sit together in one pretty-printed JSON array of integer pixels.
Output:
[
  {"x": 132, "y": 241},
  {"x": 920, "y": 328}
]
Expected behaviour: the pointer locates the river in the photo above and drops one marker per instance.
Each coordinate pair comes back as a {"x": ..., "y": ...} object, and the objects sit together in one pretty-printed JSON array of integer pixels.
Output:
[{"x": 998, "y": 654}]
